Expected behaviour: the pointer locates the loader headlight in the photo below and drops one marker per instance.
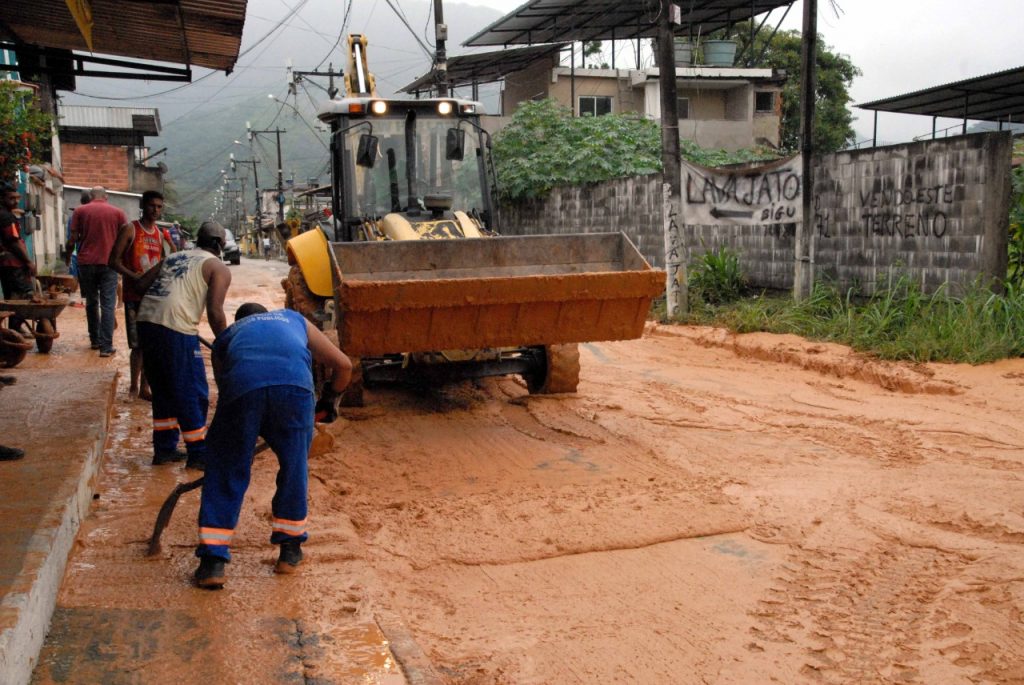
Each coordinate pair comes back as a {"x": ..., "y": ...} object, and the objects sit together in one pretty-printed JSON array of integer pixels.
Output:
[
  {"x": 379, "y": 107},
  {"x": 444, "y": 108}
]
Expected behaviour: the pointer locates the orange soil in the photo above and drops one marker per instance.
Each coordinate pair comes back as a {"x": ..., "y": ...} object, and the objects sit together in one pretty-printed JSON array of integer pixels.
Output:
[{"x": 708, "y": 508}]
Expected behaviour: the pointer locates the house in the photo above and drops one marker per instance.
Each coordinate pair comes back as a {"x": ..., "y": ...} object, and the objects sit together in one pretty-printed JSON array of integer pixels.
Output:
[
  {"x": 106, "y": 146},
  {"x": 719, "y": 107}
]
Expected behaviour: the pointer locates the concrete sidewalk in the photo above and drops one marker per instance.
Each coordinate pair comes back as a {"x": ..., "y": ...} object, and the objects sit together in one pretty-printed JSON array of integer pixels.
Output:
[{"x": 60, "y": 419}]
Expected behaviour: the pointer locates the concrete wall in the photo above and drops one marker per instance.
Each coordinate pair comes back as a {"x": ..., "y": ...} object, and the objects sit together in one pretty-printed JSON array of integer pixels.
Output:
[
  {"x": 631, "y": 205},
  {"x": 939, "y": 207},
  {"x": 91, "y": 165},
  {"x": 937, "y": 210}
]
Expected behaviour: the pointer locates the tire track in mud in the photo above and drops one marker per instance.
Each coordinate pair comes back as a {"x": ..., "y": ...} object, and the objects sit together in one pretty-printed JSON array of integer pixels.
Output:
[
  {"x": 859, "y": 617},
  {"x": 531, "y": 478}
]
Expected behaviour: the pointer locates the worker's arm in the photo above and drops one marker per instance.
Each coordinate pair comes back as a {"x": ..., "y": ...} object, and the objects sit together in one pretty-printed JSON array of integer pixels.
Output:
[
  {"x": 125, "y": 234},
  {"x": 324, "y": 352},
  {"x": 218, "y": 279}
]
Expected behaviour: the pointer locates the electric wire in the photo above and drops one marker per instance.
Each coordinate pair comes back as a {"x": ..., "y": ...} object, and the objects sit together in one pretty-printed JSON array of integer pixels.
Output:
[{"x": 412, "y": 31}]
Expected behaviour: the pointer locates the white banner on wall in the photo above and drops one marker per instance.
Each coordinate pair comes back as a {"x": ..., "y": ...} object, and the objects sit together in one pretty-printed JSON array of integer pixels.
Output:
[{"x": 767, "y": 194}]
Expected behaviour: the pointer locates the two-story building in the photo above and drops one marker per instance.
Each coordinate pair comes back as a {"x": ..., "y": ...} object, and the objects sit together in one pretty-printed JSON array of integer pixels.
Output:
[{"x": 719, "y": 107}]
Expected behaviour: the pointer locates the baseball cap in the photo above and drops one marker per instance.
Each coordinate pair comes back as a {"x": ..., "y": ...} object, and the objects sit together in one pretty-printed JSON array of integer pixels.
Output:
[{"x": 211, "y": 229}]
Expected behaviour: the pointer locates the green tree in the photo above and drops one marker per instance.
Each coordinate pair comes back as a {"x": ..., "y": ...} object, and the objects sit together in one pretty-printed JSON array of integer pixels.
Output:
[
  {"x": 544, "y": 146},
  {"x": 25, "y": 131},
  {"x": 833, "y": 122},
  {"x": 1015, "y": 267}
]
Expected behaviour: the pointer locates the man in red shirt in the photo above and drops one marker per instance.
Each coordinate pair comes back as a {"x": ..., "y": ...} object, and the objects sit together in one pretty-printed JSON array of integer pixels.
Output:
[
  {"x": 94, "y": 229},
  {"x": 139, "y": 248},
  {"x": 16, "y": 266}
]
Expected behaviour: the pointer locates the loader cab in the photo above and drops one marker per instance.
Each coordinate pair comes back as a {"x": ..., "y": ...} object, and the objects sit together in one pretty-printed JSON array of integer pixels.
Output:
[{"x": 409, "y": 169}]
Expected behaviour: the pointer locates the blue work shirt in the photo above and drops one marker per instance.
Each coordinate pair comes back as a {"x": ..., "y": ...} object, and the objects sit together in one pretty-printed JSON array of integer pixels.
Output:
[{"x": 263, "y": 350}]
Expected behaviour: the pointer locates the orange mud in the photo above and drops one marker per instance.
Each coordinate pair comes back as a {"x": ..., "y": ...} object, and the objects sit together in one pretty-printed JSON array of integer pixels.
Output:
[{"x": 708, "y": 508}]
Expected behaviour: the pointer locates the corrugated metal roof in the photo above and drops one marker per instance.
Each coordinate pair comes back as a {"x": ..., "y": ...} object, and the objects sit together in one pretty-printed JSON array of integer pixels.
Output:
[
  {"x": 204, "y": 33},
  {"x": 552, "y": 21},
  {"x": 143, "y": 119},
  {"x": 994, "y": 97},
  {"x": 485, "y": 67}
]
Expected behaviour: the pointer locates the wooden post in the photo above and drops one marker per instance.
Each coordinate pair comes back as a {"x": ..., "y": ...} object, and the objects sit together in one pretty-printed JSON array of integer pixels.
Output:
[{"x": 803, "y": 274}]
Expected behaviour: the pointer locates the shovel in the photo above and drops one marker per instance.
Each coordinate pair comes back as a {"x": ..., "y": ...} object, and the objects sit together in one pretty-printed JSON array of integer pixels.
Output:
[{"x": 167, "y": 509}]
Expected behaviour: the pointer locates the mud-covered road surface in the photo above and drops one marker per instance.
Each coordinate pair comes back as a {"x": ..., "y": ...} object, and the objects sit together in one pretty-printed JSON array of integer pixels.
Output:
[{"x": 707, "y": 509}]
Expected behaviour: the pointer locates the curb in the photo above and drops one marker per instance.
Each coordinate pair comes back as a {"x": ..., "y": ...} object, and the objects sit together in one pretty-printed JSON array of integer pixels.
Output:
[{"x": 25, "y": 610}]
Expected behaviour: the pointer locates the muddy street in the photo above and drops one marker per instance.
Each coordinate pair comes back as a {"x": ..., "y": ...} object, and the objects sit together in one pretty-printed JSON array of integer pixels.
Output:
[{"x": 707, "y": 509}]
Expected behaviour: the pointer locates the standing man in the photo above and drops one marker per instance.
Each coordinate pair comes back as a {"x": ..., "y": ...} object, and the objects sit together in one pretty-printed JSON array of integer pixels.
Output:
[
  {"x": 94, "y": 229},
  {"x": 139, "y": 247},
  {"x": 168, "y": 326},
  {"x": 262, "y": 364},
  {"x": 16, "y": 266}
]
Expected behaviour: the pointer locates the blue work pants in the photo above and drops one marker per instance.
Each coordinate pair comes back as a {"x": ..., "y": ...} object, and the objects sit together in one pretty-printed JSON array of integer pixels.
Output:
[
  {"x": 283, "y": 416},
  {"x": 98, "y": 283},
  {"x": 181, "y": 397}
]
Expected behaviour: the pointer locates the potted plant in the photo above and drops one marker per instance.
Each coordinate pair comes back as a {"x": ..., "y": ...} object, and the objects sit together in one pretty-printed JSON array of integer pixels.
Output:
[
  {"x": 719, "y": 48},
  {"x": 683, "y": 51}
]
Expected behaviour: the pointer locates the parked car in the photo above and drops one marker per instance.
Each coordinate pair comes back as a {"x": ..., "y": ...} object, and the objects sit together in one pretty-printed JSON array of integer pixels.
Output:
[{"x": 231, "y": 252}]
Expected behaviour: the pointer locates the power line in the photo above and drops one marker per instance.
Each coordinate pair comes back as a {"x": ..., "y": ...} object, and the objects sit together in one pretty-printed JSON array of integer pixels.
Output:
[
  {"x": 341, "y": 34},
  {"x": 412, "y": 31}
]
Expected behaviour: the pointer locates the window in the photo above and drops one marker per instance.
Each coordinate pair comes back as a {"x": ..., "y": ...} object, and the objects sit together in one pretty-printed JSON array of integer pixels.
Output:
[
  {"x": 683, "y": 105},
  {"x": 764, "y": 101},
  {"x": 595, "y": 105}
]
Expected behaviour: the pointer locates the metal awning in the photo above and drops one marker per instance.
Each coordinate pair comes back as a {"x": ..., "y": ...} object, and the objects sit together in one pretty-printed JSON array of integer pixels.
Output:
[
  {"x": 203, "y": 33},
  {"x": 995, "y": 97},
  {"x": 552, "y": 21},
  {"x": 486, "y": 67}
]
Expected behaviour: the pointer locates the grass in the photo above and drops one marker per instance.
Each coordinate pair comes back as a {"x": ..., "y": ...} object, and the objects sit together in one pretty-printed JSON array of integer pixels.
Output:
[{"x": 897, "y": 322}]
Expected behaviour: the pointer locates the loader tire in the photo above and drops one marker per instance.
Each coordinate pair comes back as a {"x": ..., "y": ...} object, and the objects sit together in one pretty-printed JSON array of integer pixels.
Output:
[{"x": 559, "y": 373}]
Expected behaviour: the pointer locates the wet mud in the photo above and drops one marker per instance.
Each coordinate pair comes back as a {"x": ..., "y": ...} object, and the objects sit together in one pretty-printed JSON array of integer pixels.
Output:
[{"x": 708, "y": 508}]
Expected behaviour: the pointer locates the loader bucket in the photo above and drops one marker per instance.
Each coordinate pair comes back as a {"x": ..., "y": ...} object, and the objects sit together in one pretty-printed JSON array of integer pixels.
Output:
[{"x": 419, "y": 296}]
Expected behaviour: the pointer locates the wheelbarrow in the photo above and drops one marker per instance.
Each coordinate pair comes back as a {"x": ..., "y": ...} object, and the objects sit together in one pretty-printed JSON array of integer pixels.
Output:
[
  {"x": 56, "y": 284},
  {"x": 13, "y": 346},
  {"x": 39, "y": 320}
]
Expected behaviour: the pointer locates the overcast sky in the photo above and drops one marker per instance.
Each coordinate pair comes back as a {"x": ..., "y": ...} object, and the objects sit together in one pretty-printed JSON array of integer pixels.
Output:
[{"x": 905, "y": 45}]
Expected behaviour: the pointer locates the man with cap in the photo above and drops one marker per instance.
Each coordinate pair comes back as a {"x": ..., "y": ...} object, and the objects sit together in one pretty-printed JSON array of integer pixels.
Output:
[{"x": 168, "y": 327}]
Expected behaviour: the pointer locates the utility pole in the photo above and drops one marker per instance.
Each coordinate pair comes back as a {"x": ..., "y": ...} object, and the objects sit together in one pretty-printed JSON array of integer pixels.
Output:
[
  {"x": 256, "y": 187},
  {"x": 440, "y": 53},
  {"x": 675, "y": 253},
  {"x": 803, "y": 273},
  {"x": 280, "y": 167},
  {"x": 332, "y": 90}
]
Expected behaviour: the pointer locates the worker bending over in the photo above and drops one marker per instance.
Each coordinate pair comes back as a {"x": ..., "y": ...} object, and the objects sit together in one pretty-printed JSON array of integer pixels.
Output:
[{"x": 263, "y": 367}]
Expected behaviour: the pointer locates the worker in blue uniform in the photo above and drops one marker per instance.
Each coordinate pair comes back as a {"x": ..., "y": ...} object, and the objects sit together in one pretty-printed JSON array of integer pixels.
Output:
[{"x": 262, "y": 364}]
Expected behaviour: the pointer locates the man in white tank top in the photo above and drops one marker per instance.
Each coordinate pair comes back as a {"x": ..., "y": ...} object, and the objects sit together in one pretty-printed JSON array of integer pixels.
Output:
[{"x": 168, "y": 325}]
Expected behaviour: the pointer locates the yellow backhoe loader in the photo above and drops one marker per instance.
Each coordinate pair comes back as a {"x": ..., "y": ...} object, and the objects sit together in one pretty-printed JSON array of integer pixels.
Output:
[{"x": 416, "y": 282}]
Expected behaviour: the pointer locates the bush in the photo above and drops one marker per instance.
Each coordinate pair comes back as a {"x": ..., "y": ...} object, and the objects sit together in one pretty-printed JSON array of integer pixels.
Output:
[
  {"x": 898, "y": 321},
  {"x": 716, "y": 278},
  {"x": 545, "y": 146}
]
